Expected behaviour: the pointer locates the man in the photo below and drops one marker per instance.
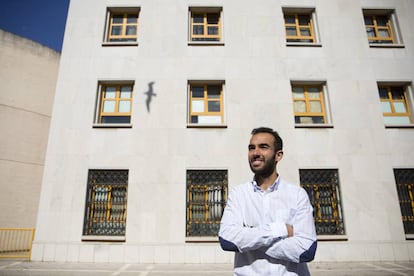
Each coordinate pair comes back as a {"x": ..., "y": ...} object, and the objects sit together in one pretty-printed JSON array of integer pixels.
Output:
[{"x": 268, "y": 222}]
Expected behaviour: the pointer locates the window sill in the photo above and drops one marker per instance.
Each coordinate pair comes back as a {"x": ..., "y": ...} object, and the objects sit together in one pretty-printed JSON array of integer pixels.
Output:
[
  {"x": 400, "y": 126},
  {"x": 206, "y": 126},
  {"x": 104, "y": 238},
  {"x": 332, "y": 237},
  {"x": 303, "y": 44},
  {"x": 201, "y": 239},
  {"x": 112, "y": 125},
  {"x": 409, "y": 236},
  {"x": 205, "y": 43},
  {"x": 116, "y": 44},
  {"x": 314, "y": 126},
  {"x": 386, "y": 45}
]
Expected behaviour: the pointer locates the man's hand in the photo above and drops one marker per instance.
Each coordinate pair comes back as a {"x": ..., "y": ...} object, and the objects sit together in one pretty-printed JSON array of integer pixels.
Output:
[{"x": 289, "y": 230}]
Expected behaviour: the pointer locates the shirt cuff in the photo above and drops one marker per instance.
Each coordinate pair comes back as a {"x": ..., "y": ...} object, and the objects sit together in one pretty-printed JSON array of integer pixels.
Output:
[{"x": 279, "y": 229}]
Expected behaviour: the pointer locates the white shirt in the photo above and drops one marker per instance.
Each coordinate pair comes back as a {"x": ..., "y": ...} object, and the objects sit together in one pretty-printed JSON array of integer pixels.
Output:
[{"x": 254, "y": 226}]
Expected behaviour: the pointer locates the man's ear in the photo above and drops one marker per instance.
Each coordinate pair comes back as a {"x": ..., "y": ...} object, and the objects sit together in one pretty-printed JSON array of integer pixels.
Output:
[{"x": 279, "y": 155}]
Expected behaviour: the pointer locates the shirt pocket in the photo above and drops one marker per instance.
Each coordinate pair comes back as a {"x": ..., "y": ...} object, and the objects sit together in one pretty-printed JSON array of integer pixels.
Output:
[{"x": 283, "y": 215}]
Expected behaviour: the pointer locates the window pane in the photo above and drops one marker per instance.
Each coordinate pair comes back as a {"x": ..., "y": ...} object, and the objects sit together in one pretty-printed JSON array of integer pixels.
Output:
[
  {"x": 386, "y": 107},
  {"x": 198, "y": 18},
  {"x": 197, "y": 106},
  {"x": 291, "y": 31},
  {"x": 397, "y": 93},
  {"x": 289, "y": 19},
  {"x": 369, "y": 20},
  {"x": 383, "y": 93},
  {"x": 198, "y": 30},
  {"x": 132, "y": 19},
  {"x": 131, "y": 30},
  {"x": 298, "y": 92},
  {"x": 382, "y": 21},
  {"x": 109, "y": 106},
  {"x": 300, "y": 106},
  {"x": 370, "y": 32},
  {"x": 126, "y": 92},
  {"x": 304, "y": 20},
  {"x": 212, "y": 30},
  {"x": 313, "y": 92},
  {"x": 315, "y": 106},
  {"x": 213, "y": 18},
  {"x": 124, "y": 106},
  {"x": 396, "y": 120},
  {"x": 209, "y": 120},
  {"x": 213, "y": 92},
  {"x": 116, "y": 30},
  {"x": 399, "y": 107},
  {"x": 110, "y": 92},
  {"x": 384, "y": 33},
  {"x": 305, "y": 32},
  {"x": 118, "y": 19},
  {"x": 115, "y": 119},
  {"x": 197, "y": 92},
  {"x": 214, "y": 106}
]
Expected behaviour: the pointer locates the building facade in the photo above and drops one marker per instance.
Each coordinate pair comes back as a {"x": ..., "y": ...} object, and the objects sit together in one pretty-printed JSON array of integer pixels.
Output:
[
  {"x": 28, "y": 76},
  {"x": 154, "y": 105}
]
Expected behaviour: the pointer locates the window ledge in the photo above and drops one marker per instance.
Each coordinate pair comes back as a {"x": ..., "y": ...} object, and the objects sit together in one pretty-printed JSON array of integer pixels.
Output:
[
  {"x": 332, "y": 237},
  {"x": 303, "y": 44},
  {"x": 112, "y": 125},
  {"x": 400, "y": 126},
  {"x": 206, "y": 126},
  {"x": 409, "y": 236},
  {"x": 314, "y": 126},
  {"x": 133, "y": 43},
  {"x": 205, "y": 43},
  {"x": 201, "y": 239},
  {"x": 104, "y": 238},
  {"x": 386, "y": 45}
]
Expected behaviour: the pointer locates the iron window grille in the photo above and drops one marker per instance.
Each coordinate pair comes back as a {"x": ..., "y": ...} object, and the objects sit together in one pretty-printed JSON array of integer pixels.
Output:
[
  {"x": 322, "y": 186},
  {"x": 206, "y": 199},
  {"x": 404, "y": 179},
  {"x": 106, "y": 203}
]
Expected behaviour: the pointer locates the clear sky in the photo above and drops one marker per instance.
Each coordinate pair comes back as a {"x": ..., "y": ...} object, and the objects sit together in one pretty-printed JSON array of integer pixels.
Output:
[{"x": 42, "y": 21}]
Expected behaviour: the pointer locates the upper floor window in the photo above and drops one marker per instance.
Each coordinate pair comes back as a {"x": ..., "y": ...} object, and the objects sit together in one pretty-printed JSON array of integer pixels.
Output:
[
  {"x": 206, "y": 103},
  {"x": 395, "y": 104},
  {"x": 404, "y": 179},
  {"x": 114, "y": 103},
  {"x": 206, "y": 198},
  {"x": 381, "y": 27},
  {"x": 300, "y": 26},
  {"x": 322, "y": 186},
  {"x": 106, "y": 205},
  {"x": 309, "y": 103},
  {"x": 122, "y": 26},
  {"x": 205, "y": 25}
]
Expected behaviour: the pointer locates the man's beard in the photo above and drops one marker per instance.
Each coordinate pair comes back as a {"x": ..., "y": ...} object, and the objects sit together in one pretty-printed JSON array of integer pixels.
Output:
[{"x": 266, "y": 170}]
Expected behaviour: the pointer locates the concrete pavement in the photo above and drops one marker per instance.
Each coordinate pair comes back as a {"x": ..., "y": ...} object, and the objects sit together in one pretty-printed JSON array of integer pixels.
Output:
[{"x": 18, "y": 267}]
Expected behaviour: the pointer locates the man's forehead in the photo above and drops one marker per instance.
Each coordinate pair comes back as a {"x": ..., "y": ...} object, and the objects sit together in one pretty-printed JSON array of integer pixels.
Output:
[{"x": 262, "y": 138}]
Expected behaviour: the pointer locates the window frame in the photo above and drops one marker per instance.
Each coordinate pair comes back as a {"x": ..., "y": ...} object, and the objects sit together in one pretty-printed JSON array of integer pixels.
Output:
[
  {"x": 100, "y": 99},
  {"x": 99, "y": 206},
  {"x": 323, "y": 99},
  {"x": 407, "y": 200},
  {"x": 407, "y": 100},
  {"x": 206, "y": 100},
  {"x": 207, "y": 202},
  {"x": 313, "y": 26},
  {"x": 205, "y": 11},
  {"x": 337, "y": 207},
  {"x": 131, "y": 40},
  {"x": 394, "y": 39}
]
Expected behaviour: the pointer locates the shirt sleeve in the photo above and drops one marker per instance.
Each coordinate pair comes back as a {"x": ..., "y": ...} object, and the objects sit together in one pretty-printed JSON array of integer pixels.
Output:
[
  {"x": 302, "y": 246},
  {"x": 235, "y": 236}
]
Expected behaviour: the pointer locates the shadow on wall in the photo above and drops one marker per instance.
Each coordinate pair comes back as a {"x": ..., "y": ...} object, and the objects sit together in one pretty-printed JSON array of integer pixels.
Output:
[{"x": 150, "y": 93}]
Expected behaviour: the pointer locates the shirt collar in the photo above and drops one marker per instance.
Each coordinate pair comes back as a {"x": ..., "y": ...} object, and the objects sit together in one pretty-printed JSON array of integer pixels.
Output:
[{"x": 270, "y": 189}]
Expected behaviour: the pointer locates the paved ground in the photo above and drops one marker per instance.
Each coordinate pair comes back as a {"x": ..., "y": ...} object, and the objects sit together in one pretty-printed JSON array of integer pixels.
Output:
[{"x": 17, "y": 267}]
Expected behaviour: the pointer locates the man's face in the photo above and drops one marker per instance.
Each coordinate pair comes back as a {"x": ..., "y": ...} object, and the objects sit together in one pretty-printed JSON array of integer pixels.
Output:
[{"x": 262, "y": 155}]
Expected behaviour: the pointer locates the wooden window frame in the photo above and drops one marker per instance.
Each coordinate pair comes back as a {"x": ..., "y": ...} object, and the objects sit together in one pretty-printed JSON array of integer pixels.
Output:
[
  {"x": 322, "y": 100},
  {"x": 377, "y": 39},
  {"x": 206, "y": 100},
  {"x": 123, "y": 38},
  {"x": 392, "y": 99},
  {"x": 300, "y": 38},
  {"x": 206, "y": 199},
  {"x": 205, "y": 38}
]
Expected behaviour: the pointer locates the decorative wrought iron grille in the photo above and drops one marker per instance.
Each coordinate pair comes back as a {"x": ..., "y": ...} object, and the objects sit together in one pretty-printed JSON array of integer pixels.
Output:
[
  {"x": 206, "y": 198},
  {"x": 106, "y": 203},
  {"x": 404, "y": 178},
  {"x": 322, "y": 187}
]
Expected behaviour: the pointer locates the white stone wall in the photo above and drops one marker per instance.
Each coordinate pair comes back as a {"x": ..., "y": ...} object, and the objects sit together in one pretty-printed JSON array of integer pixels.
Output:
[
  {"x": 257, "y": 68},
  {"x": 28, "y": 74}
]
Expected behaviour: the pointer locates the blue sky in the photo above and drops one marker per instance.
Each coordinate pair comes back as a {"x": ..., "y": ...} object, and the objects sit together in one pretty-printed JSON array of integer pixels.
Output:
[{"x": 42, "y": 21}]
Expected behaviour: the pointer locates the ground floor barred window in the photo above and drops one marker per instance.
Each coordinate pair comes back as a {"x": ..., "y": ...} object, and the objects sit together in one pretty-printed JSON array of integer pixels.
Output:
[
  {"x": 106, "y": 203},
  {"x": 322, "y": 186},
  {"x": 404, "y": 178},
  {"x": 206, "y": 199}
]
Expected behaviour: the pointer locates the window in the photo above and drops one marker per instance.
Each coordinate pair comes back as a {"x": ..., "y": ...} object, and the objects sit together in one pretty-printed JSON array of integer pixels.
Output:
[
  {"x": 114, "y": 103},
  {"x": 322, "y": 186},
  {"x": 404, "y": 178},
  {"x": 395, "y": 104},
  {"x": 205, "y": 25},
  {"x": 206, "y": 198},
  {"x": 300, "y": 26},
  {"x": 380, "y": 26},
  {"x": 106, "y": 204},
  {"x": 309, "y": 103},
  {"x": 122, "y": 25},
  {"x": 206, "y": 103}
]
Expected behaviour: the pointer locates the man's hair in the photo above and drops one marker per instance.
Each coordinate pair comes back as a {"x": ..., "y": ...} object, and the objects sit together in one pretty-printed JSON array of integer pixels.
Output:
[{"x": 278, "y": 144}]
